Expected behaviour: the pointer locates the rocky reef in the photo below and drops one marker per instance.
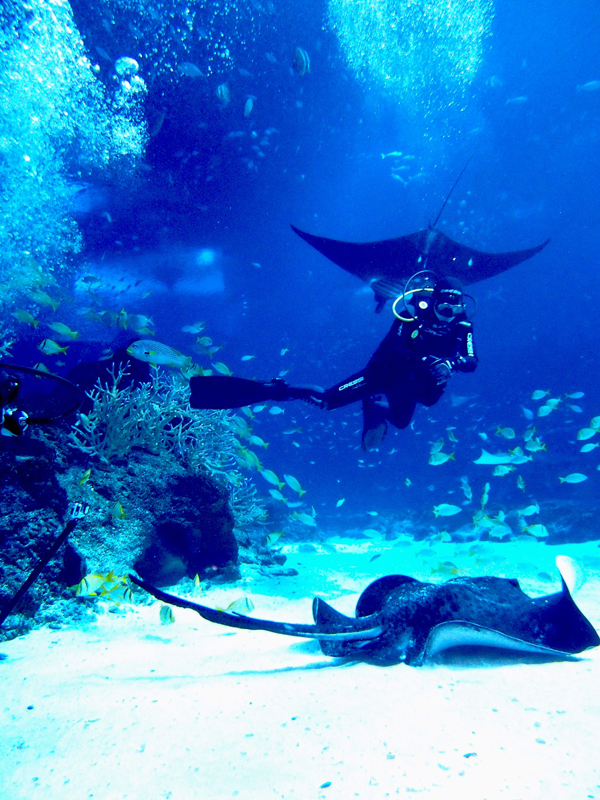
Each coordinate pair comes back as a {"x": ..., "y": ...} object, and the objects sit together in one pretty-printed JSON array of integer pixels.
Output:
[{"x": 164, "y": 511}]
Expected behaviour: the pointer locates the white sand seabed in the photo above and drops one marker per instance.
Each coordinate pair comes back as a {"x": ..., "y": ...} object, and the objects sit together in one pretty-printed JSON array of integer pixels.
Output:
[{"x": 130, "y": 708}]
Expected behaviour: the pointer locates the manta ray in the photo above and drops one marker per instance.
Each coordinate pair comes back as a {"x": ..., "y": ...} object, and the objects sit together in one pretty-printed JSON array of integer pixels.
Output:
[
  {"x": 399, "y": 619},
  {"x": 386, "y": 266}
]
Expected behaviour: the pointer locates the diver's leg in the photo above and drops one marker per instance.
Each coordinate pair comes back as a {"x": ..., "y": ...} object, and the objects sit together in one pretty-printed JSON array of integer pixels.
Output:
[
  {"x": 402, "y": 406},
  {"x": 428, "y": 391},
  {"x": 375, "y": 412},
  {"x": 347, "y": 391},
  {"x": 397, "y": 408}
]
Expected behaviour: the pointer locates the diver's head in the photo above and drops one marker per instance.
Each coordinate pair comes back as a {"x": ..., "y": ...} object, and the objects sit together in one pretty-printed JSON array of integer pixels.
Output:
[{"x": 447, "y": 299}]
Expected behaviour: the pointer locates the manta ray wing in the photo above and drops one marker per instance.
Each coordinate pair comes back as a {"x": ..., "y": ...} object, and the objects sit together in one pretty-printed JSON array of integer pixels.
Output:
[
  {"x": 388, "y": 264},
  {"x": 392, "y": 259},
  {"x": 422, "y": 619},
  {"x": 447, "y": 635},
  {"x": 447, "y": 257}
]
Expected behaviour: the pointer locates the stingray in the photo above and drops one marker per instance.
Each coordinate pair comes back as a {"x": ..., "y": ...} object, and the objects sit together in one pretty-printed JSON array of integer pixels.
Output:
[
  {"x": 400, "y": 619},
  {"x": 387, "y": 265}
]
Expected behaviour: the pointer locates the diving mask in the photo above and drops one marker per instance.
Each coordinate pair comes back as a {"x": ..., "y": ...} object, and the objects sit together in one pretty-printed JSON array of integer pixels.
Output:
[{"x": 449, "y": 310}]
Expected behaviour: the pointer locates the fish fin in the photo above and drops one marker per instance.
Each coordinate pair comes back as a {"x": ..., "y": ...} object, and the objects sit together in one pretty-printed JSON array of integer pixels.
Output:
[
  {"x": 570, "y": 572},
  {"x": 328, "y": 617},
  {"x": 576, "y": 633}
]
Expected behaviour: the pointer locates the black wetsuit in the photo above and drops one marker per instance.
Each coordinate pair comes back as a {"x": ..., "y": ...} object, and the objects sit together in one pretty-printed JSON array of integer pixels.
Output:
[{"x": 411, "y": 365}]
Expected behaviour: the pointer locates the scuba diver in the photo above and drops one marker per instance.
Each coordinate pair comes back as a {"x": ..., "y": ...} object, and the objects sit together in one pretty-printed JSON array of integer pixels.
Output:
[
  {"x": 431, "y": 337},
  {"x": 13, "y": 422},
  {"x": 39, "y": 406}
]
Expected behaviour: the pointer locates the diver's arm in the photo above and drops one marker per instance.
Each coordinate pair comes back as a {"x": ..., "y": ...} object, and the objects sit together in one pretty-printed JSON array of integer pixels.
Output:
[{"x": 465, "y": 360}]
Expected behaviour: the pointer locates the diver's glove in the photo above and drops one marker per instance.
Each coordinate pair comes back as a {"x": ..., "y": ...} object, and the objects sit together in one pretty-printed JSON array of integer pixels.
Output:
[{"x": 439, "y": 369}]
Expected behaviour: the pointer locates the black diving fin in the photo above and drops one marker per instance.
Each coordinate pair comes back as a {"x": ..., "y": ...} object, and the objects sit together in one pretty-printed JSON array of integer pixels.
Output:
[{"x": 226, "y": 391}]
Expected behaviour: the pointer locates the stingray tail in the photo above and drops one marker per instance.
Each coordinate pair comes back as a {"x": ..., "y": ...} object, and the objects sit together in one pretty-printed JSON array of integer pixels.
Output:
[
  {"x": 341, "y": 635},
  {"x": 329, "y": 631}
]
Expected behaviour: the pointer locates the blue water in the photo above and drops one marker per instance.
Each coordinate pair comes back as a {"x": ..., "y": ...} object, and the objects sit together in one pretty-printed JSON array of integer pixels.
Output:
[{"x": 213, "y": 181}]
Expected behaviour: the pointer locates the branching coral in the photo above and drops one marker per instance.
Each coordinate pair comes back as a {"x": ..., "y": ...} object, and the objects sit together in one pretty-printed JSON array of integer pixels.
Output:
[
  {"x": 156, "y": 417},
  {"x": 6, "y": 344},
  {"x": 247, "y": 508}
]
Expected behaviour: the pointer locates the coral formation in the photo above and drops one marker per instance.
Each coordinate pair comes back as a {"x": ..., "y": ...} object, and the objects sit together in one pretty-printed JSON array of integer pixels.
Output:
[
  {"x": 156, "y": 417},
  {"x": 160, "y": 483}
]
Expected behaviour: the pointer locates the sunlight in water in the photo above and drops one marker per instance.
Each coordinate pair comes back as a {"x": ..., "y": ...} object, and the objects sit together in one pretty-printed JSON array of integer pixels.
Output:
[{"x": 419, "y": 52}]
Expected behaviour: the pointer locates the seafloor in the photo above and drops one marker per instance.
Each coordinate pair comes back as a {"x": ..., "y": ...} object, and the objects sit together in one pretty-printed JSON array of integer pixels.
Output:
[{"x": 127, "y": 707}]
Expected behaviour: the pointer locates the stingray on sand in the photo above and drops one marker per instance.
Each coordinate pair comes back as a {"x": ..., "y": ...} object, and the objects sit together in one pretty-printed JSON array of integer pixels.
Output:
[{"x": 400, "y": 619}]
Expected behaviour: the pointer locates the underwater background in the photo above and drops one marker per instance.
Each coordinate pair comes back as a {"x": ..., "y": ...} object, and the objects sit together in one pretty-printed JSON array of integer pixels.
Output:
[{"x": 152, "y": 158}]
